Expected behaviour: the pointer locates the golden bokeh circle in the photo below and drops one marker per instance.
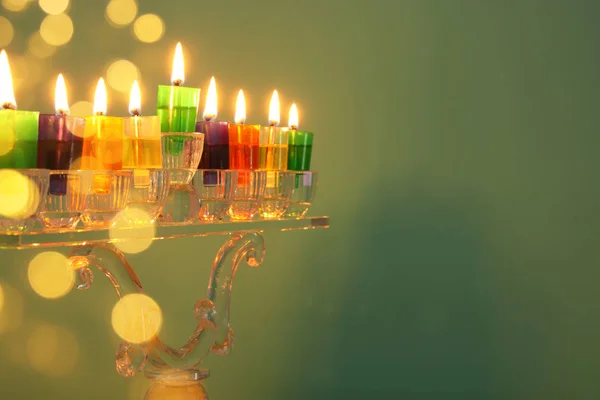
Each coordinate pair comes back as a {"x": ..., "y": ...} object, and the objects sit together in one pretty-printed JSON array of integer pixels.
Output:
[
  {"x": 133, "y": 230},
  {"x": 149, "y": 28},
  {"x": 52, "y": 350},
  {"x": 7, "y": 32},
  {"x": 57, "y": 29},
  {"x": 7, "y": 142},
  {"x": 1, "y": 298},
  {"x": 50, "y": 275},
  {"x": 82, "y": 109},
  {"x": 19, "y": 197},
  {"x": 38, "y": 47},
  {"x": 136, "y": 318},
  {"x": 121, "y": 74},
  {"x": 121, "y": 12},
  {"x": 15, "y": 5},
  {"x": 54, "y": 7}
]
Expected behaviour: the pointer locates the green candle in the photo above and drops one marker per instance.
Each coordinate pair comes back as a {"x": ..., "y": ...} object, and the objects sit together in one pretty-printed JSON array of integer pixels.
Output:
[
  {"x": 177, "y": 106},
  {"x": 18, "y": 129},
  {"x": 299, "y": 144}
]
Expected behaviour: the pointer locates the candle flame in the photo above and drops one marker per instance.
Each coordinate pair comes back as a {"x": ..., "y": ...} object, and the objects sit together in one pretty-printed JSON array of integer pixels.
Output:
[
  {"x": 61, "y": 103},
  {"x": 100, "y": 98},
  {"x": 210, "y": 110},
  {"x": 240, "y": 108},
  {"x": 274, "y": 117},
  {"x": 7, "y": 93},
  {"x": 135, "y": 99},
  {"x": 178, "y": 75},
  {"x": 293, "y": 121}
]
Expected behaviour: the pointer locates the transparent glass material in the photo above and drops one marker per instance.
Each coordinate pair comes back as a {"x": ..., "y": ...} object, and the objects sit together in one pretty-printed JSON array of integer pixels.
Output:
[
  {"x": 215, "y": 188},
  {"x": 148, "y": 192},
  {"x": 248, "y": 194},
  {"x": 181, "y": 155},
  {"x": 303, "y": 194},
  {"x": 102, "y": 206},
  {"x": 278, "y": 192},
  {"x": 38, "y": 238},
  {"x": 62, "y": 208},
  {"x": 23, "y": 195},
  {"x": 182, "y": 206}
]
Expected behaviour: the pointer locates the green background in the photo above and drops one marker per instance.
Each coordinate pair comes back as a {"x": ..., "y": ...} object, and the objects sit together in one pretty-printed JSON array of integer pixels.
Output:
[{"x": 457, "y": 145}]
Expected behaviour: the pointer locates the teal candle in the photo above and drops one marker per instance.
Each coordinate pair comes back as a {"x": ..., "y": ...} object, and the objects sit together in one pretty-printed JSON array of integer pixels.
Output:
[
  {"x": 299, "y": 150},
  {"x": 18, "y": 138},
  {"x": 177, "y": 107}
]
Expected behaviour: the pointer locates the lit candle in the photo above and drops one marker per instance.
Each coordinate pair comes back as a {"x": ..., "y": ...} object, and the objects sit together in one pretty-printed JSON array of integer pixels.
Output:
[
  {"x": 274, "y": 140},
  {"x": 141, "y": 135},
  {"x": 103, "y": 136},
  {"x": 243, "y": 139},
  {"x": 300, "y": 144},
  {"x": 60, "y": 139},
  {"x": 102, "y": 142},
  {"x": 216, "y": 139},
  {"x": 177, "y": 106},
  {"x": 18, "y": 129}
]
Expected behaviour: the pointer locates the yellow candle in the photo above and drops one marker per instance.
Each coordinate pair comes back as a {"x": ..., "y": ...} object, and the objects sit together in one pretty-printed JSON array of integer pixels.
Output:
[{"x": 103, "y": 141}]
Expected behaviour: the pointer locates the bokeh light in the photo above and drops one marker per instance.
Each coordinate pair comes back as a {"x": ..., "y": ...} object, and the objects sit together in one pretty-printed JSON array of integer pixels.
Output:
[
  {"x": 121, "y": 12},
  {"x": 136, "y": 318},
  {"x": 82, "y": 109},
  {"x": 19, "y": 196},
  {"x": 133, "y": 230},
  {"x": 57, "y": 29},
  {"x": 52, "y": 350},
  {"x": 7, "y": 142},
  {"x": 38, "y": 47},
  {"x": 1, "y": 298},
  {"x": 7, "y": 32},
  {"x": 54, "y": 7},
  {"x": 50, "y": 275},
  {"x": 11, "y": 313},
  {"x": 121, "y": 74},
  {"x": 15, "y": 5},
  {"x": 149, "y": 28}
]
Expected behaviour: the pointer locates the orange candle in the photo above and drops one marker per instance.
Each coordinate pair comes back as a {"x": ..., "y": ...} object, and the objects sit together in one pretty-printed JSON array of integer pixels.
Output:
[{"x": 243, "y": 140}]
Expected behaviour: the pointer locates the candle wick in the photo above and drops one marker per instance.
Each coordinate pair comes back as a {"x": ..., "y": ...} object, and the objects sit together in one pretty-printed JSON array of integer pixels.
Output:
[
  {"x": 177, "y": 82},
  {"x": 99, "y": 114},
  {"x": 135, "y": 113},
  {"x": 9, "y": 106}
]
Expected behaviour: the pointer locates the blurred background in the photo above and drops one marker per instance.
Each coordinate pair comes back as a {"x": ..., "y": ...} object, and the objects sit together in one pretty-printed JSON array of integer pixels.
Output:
[{"x": 457, "y": 145}]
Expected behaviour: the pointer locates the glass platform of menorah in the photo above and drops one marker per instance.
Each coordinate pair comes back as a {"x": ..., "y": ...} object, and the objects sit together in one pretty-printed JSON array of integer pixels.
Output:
[{"x": 103, "y": 215}]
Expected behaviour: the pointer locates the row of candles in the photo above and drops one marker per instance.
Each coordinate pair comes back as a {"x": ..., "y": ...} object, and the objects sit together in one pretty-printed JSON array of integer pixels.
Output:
[{"x": 54, "y": 141}]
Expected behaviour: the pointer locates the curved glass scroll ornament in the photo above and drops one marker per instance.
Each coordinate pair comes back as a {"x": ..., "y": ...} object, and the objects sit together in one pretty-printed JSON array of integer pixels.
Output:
[{"x": 212, "y": 333}]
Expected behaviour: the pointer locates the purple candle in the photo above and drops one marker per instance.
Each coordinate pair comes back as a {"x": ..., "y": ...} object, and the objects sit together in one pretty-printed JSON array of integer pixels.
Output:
[
  {"x": 60, "y": 140},
  {"x": 216, "y": 134}
]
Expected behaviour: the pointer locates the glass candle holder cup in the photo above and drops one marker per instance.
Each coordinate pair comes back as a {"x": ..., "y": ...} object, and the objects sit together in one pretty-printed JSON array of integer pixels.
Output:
[
  {"x": 273, "y": 148},
  {"x": 248, "y": 194},
  {"x": 62, "y": 208},
  {"x": 182, "y": 206},
  {"x": 300, "y": 150},
  {"x": 244, "y": 146},
  {"x": 215, "y": 188},
  {"x": 177, "y": 108},
  {"x": 278, "y": 192},
  {"x": 148, "y": 192},
  {"x": 101, "y": 207},
  {"x": 181, "y": 155},
  {"x": 23, "y": 194},
  {"x": 303, "y": 194},
  {"x": 18, "y": 141},
  {"x": 60, "y": 143}
]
